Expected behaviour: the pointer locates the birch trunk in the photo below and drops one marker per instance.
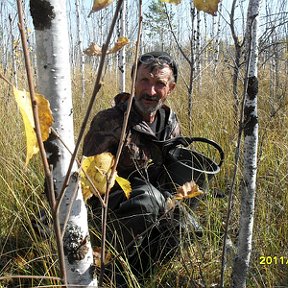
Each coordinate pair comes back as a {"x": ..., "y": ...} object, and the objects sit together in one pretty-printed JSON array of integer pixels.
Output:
[
  {"x": 217, "y": 39},
  {"x": 80, "y": 54},
  {"x": 122, "y": 52},
  {"x": 50, "y": 22},
  {"x": 237, "y": 60},
  {"x": 242, "y": 259},
  {"x": 14, "y": 66},
  {"x": 192, "y": 66},
  {"x": 198, "y": 60}
]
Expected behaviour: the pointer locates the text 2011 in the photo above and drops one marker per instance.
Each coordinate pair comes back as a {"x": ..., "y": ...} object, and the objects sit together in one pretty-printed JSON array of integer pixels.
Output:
[{"x": 273, "y": 260}]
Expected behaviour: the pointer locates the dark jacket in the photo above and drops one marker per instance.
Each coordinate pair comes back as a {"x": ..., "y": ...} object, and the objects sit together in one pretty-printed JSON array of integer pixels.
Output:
[
  {"x": 139, "y": 150},
  {"x": 140, "y": 218}
]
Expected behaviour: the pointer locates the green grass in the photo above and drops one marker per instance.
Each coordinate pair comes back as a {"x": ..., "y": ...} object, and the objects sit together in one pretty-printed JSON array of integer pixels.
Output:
[{"x": 22, "y": 252}]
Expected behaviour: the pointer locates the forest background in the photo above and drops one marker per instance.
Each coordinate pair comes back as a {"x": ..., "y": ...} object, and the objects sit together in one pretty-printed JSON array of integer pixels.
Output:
[{"x": 208, "y": 106}]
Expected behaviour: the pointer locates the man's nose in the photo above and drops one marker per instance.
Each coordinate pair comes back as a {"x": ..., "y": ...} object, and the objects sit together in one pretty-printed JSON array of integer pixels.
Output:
[{"x": 151, "y": 91}]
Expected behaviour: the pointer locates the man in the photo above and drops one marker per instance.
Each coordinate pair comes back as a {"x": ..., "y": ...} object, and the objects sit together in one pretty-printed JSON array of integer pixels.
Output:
[{"x": 139, "y": 225}]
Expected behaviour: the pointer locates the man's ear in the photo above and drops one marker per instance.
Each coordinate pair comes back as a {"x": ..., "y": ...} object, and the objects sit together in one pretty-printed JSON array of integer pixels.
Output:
[{"x": 172, "y": 87}]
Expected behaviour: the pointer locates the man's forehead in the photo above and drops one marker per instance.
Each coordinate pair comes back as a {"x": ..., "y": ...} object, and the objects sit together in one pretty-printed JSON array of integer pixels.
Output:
[{"x": 156, "y": 72}]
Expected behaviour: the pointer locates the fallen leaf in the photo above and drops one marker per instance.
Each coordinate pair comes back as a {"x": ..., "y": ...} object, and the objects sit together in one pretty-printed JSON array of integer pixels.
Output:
[
  {"x": 208, "y": 6},
  {"x": 188, "y": 190}
]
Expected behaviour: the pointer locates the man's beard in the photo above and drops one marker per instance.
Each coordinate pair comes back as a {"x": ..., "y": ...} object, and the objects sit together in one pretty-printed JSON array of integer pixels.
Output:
[{"x": 148, "y": 109}]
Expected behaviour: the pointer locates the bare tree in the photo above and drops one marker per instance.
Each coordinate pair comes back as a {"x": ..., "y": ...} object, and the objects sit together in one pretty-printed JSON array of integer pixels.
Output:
[
  {"x": 50, "y": 22},
  {"x": 190, "y": 57},
  {"x": 250, "y": 126}
]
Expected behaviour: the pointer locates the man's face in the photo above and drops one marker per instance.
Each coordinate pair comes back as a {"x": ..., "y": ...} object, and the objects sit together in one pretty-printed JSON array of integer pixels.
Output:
[{"x": 152, "y": 88}]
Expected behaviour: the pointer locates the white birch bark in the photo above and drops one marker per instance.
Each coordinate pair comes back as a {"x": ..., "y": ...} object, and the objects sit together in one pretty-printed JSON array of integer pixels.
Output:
[
  {"x": 198, "y": 58},
  {"x": 53, "y": 67},
  {"x": 122, "y": 52},
  {"x": 248, "y": 191},
  {"x": 80, "y": 53},
  {"x": 14, "y": 66},
  {"x": 217, "y": 39}
]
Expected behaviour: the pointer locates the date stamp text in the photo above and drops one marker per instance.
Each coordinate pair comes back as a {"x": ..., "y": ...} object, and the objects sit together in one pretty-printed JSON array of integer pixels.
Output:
[{"x": 273, "y": 260}]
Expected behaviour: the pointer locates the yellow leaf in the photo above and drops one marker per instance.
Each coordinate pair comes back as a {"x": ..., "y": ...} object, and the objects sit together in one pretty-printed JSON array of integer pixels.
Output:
[
  {"x": 100, "y": 4},
  {"x": 45, "y": 119},
  {"x": 171, "y": 1},
  {"x": 45, "y": 116},
  {"x": 98, "y": 168},
  {"x": 125, "y": 185},
  {"x": 93, "y": 50},
  {"x": 121, "y": 42},
  {"x": 188, "y": 190},
  {"x": 208, "y": 6}
]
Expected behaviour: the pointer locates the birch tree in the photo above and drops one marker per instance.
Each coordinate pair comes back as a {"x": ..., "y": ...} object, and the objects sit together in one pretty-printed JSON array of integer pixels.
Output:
[
  {"x": 53, "y": 68},
  {"x": 13, "y": 56},
  {"x": 122, "y": 52},
  {"x": 80, "y": 53},
  {"x": 237, "y": 64},
  {"x": 242, "y": 259}
]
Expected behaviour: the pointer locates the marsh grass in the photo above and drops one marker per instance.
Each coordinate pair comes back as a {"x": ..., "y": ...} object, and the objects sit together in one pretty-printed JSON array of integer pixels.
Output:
[{"x": 198, "y": 264}]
